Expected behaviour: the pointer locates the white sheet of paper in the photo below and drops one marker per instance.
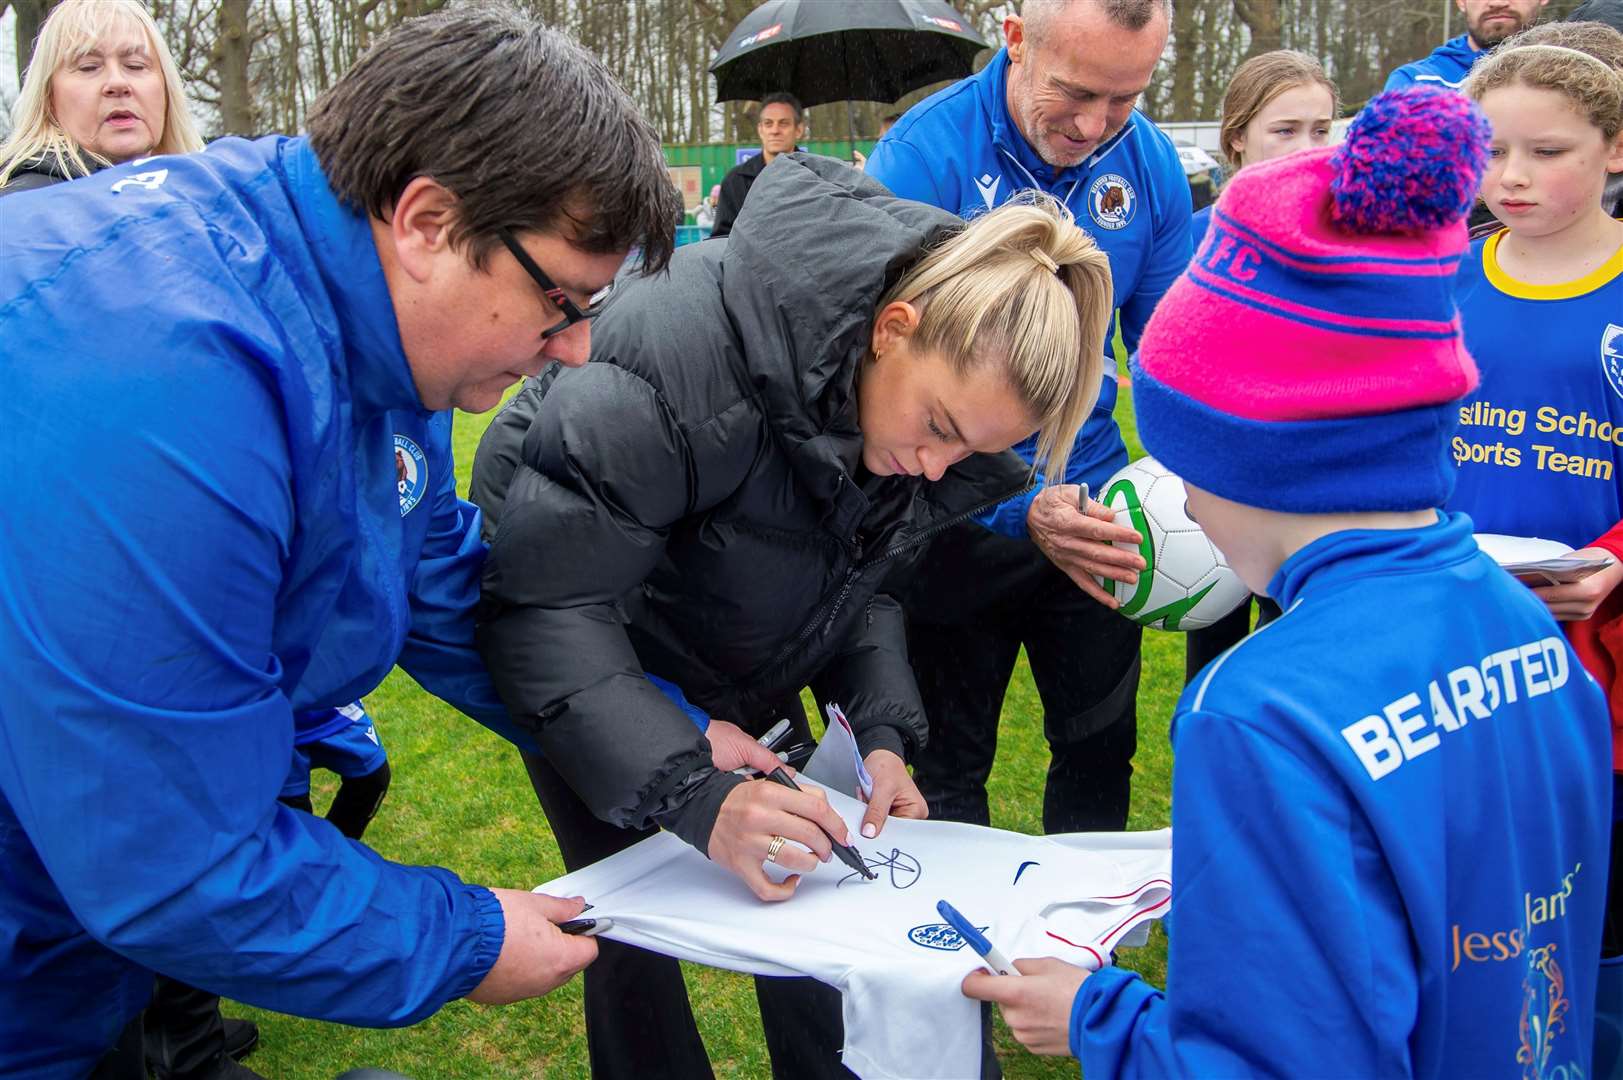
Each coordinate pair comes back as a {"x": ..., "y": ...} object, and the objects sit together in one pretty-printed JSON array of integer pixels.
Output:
[
  {"x": 1534, "y": 557},
  {"x": 881, "y": 942},
  {"x": 1504, "y": 549},
  {"x": 837, "y": 763}
]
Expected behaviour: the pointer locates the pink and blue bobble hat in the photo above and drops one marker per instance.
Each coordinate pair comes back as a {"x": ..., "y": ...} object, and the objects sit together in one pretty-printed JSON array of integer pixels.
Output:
[{"x": 1309, "y": 359}]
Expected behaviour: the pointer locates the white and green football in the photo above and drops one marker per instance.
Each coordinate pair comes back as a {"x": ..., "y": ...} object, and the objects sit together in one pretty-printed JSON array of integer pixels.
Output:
[{"x": 1186, "y": 584}]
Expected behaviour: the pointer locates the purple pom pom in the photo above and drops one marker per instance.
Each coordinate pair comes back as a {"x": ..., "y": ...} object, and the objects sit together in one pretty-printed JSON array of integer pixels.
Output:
[{"x": 1412, "y": 161}]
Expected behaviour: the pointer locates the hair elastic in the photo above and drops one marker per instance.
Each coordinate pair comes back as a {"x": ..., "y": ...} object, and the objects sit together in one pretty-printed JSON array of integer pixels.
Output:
[{"x": 1591, "y": 57}]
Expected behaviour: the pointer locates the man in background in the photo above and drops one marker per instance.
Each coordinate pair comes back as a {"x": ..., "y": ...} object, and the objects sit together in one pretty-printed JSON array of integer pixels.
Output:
[
  {"x": 1487, "y": 23},
  {"x": 781, "y": 126}
]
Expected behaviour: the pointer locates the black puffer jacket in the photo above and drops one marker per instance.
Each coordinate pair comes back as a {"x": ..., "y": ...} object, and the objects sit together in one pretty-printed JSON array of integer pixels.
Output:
[
  {"x": 691, "y": 504},
  {"x": 41, "y": 172}
]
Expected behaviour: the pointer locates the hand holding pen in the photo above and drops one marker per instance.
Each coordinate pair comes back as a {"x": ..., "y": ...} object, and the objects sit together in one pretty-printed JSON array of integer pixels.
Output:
[
  {"x": 1037, "y": 1004},
  {"x": 760, "y": 822},
  {"x": 848, "y": 855}
]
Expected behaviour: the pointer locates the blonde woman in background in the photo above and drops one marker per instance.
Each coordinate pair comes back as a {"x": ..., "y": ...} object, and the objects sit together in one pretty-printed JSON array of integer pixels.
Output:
[{"x": 101, "y": 89}]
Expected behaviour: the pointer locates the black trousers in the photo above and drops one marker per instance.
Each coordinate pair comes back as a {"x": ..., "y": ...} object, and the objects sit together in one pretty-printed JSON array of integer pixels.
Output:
[
  {"x": 1611, "y": 939},
  {"x": 184, "y": 1031},
  {"x": 1203, "y": 646},
  {"x": 638, "y": 1020},
  {"x": 975, "y": 600}
]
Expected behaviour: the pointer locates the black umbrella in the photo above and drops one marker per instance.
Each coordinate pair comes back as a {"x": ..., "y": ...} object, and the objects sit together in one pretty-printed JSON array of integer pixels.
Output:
[{"x": 844, "y": 50}]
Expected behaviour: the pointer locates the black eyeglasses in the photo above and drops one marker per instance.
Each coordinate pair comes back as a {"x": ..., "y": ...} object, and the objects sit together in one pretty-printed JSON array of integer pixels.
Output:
[{"x": 571, "y": 313}]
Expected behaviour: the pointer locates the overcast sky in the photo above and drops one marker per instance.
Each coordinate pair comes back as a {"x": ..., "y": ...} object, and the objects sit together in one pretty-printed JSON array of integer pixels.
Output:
[{"x": 8, "y": 55}]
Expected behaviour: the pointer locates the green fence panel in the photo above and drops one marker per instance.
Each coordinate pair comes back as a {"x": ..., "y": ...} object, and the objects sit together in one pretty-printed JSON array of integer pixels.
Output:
[{"x": 717, "y": 159}]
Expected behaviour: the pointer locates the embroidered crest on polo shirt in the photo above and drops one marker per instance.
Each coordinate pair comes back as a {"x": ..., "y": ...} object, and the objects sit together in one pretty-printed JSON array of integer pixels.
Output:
[
  {"x": 1611, "y": 356},
  {"x": 1112, "y": 201},
  {"x": 939, "y": 935}
]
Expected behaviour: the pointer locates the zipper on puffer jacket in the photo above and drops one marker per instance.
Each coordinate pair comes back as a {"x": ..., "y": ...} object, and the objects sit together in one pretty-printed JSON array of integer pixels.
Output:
[{"x": 859, "y": 568}]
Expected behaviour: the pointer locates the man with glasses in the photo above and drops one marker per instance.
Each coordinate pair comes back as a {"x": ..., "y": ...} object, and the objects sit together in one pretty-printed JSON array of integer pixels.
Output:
[
  {"x": 560, "y": 299},
  {"x": 226, "y": 393}
]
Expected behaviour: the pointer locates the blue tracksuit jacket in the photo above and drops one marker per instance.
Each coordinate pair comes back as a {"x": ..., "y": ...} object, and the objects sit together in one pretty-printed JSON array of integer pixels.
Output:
[
  {"x": 1447, "y": 65},
  {"x": 1390, "y": 821},
  {"x": 959, "y": 149},
  {"x": 227, "y": 506}
]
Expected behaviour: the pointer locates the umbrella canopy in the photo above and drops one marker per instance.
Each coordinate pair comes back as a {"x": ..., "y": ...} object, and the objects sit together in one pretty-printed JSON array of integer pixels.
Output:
[{"x": 843, "y": 50}]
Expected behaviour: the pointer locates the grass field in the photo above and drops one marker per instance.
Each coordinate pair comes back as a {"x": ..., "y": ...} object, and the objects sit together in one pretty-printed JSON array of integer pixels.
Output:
[{"x": 460, "y": 799}]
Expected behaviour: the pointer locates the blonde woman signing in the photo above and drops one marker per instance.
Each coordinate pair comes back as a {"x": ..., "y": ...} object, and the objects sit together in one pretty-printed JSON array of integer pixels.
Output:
[
  {"x": 722, "y": 498},
  {"x": 101, "y": 89}
]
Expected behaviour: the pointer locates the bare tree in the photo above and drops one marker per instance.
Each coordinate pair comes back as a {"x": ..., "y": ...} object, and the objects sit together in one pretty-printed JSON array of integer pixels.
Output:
[
  {"x": 257, "y": 65},
  {"x": 30, "y": 15},
  {"x": 232, "y": 48},
  {"x": 1261, "y": 17}
]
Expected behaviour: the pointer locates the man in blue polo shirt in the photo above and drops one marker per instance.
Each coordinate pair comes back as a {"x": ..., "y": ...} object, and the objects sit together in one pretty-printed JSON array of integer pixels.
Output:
[
  {"x": 1052, "y": 111},
  {"x": 1487, "y": 23}
]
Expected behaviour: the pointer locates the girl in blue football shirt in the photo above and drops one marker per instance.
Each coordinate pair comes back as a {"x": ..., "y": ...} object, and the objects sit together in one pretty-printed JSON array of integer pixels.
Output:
[
  {"x": 1541, "y": 299},
  {"x": 1540, "y": 443}
]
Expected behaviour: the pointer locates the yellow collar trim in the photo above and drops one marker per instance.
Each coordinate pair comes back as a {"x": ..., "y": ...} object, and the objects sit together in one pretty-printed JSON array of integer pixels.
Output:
[{"x": 1603, "y": 274}]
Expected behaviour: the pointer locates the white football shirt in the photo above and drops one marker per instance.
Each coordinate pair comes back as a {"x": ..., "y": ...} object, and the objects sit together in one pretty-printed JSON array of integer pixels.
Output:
[{"x": 882, "y": 942}]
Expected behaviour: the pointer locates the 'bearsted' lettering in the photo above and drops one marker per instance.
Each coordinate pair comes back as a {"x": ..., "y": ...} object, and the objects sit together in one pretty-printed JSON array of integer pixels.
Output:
[{"x": 1412, "y": 725}]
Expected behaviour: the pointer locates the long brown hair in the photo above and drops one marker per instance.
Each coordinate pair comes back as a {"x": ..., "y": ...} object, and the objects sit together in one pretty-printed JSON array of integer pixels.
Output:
[{"x": 1261, "y": 79}]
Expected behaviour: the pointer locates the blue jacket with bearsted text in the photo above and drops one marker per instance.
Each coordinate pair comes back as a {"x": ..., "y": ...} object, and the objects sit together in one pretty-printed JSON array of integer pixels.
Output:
[{"x": 1391, "y": 821}]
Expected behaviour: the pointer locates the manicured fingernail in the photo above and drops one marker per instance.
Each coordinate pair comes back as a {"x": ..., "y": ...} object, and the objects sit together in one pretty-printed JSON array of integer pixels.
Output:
[{"x": 870, "y": 830}]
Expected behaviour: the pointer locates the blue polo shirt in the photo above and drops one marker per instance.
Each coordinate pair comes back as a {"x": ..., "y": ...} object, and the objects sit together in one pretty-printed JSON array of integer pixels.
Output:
[{"x": 959, "y": 149}]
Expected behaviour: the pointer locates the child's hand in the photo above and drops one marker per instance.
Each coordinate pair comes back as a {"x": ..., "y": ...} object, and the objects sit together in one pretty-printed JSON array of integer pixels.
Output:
[
  {"x": 1578, "y": 600},
  {"x": 1036, "y": 1003}
]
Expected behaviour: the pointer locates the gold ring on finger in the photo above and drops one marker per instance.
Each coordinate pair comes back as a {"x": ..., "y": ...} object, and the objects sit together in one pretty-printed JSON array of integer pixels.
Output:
[{"x": 775, "y": 847}]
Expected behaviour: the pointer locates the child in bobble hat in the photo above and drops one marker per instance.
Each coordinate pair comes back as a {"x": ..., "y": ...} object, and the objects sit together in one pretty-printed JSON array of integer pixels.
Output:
[{"x": 1390, "y": 806}]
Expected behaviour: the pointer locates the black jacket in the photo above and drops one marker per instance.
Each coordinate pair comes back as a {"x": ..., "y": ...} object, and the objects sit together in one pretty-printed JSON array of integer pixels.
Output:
[
  {"x": 735, "y": 187},
  {"x": 691, "y": 504},
  {"x": 41, "y": 172}
]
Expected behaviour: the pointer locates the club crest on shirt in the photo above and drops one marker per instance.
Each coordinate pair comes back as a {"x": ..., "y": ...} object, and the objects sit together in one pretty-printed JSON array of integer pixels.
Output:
[
  {"x": 938, "y": 935},
  {"x": 1611, "y": 356},
  {"x": 1111, "y": 201},
  {"x": 410, "y": 473}
]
